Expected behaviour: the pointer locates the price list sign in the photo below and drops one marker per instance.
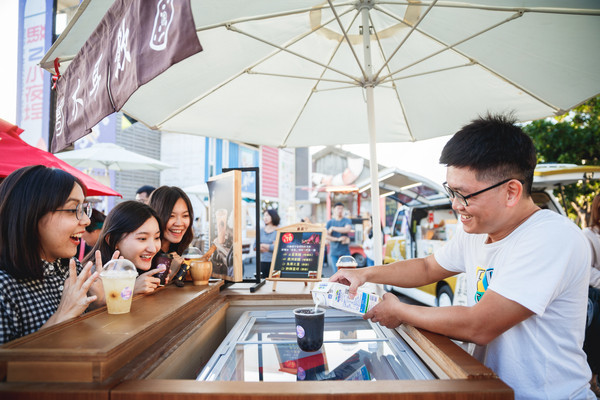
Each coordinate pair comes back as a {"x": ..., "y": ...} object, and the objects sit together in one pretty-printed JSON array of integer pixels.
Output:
[{"x": 298, "y": 253}]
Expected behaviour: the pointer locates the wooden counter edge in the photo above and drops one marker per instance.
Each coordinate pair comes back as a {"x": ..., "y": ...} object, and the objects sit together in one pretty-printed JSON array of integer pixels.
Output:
[
  {"x": 450, "y": 358},
  {"x": 346, "y": 390}
]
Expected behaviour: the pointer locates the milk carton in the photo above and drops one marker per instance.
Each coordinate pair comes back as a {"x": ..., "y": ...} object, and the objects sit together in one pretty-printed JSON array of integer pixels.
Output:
[{"x": 333, "y": 294}]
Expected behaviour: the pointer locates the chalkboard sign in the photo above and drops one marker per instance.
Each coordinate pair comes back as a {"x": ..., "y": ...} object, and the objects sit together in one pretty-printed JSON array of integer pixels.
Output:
[{"x": 298, "y": 253}]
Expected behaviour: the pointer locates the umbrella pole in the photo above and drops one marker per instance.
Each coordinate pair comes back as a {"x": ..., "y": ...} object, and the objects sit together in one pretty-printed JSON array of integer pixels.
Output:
[{"x": 368, "y": 68}]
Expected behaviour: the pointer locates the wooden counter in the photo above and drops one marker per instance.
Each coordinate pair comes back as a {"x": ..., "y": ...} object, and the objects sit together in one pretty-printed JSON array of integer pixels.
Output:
[{"x": 157, "y": 350}]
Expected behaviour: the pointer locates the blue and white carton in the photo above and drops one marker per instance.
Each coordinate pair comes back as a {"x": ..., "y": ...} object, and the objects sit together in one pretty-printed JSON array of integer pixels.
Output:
[{"x": 335, "y": 295}]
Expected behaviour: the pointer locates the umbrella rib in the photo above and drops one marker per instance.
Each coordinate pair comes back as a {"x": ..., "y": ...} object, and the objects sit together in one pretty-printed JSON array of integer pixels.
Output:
[
  {"x": 247, "y": 70},
  {"x": 301, "y": 77},
  {"x": 453, "y": 48},
  {"x": 235, "y": 29},
  {"x": 412, "y": 29},
  {"x": 446, "y": 46},
  {"x": 468, "y": 64},
  {"x": 314, "y": 89},
  {"x": 348, "y": 39},
  {"x": 537, "y": 10},
  {"x": 400, "y": 102}
]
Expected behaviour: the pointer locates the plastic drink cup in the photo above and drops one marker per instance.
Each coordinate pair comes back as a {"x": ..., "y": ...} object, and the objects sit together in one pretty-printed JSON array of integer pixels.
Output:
[
  {"x": 310, "y": 325},
  {"x": 346, "y": 262},
  {"x": 118, "y": 279}
]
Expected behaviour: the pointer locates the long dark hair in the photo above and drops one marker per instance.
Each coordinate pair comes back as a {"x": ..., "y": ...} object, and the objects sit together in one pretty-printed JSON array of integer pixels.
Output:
[
  {"x": 26, "y": 195},
  {"x": 163, "y": 200},
  {"x": 275, "y": 220},
  {"x": 123, "y": 219}
]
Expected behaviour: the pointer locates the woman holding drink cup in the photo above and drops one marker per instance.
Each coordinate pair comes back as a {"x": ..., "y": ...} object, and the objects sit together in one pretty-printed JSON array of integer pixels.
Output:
[
  {"x": 42, "y": 218},
  {"x": 176, "y": 215},
  {"x": 132, "y": 228}
]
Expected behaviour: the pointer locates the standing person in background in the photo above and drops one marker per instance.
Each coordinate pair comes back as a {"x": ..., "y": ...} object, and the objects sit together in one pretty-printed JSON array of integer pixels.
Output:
[
  {"x": 338, "y": 229},
  {"x": 42, "y": 217},
  {"x": 91, "y": 234},
  {"x": 132, "y": 229},
  {"x": 368, "y": 241},
  {"x": 143, "y": 194},
  {"x": 268, "y": 234},
  {"x": 591, "y": 345},
  {"x": 176, "y": 215}
]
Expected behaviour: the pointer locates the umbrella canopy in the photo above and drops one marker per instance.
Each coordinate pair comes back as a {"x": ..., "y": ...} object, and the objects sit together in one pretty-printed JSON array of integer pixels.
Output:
[
  {"x": 109, "y": 156},
  {"x": 313, "y": 72},
  {"x": 294, "y": 73},
  {"x": 17, "y": 154}
]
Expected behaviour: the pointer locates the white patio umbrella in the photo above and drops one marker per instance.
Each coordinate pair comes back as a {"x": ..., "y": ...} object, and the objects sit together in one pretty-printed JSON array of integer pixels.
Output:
[
  {"x": 109, "y": 156},
  {"x": 313, "y": 72}
]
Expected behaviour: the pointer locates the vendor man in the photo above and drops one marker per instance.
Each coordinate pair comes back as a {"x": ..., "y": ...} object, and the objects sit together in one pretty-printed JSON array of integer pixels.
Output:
[
  {"x": 527, "y": 269},
  {"x": 338, "y": 229}
]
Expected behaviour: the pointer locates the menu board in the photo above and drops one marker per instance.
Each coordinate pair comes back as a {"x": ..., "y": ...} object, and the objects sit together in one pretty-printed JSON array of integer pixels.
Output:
[{"x": 298, "y": 253}]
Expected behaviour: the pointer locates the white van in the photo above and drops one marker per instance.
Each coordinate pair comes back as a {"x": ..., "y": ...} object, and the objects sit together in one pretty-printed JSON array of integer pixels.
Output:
[{"x": 425, "y": 221}]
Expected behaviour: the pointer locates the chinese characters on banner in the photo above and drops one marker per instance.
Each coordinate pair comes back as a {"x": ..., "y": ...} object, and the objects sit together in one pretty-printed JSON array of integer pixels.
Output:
[
  {"x": 133, "y": 43},
  {"x": 34, "y": 87}
]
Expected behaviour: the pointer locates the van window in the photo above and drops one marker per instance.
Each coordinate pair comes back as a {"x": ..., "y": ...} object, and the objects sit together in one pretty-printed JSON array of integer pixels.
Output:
[{"x": 543, "y": 201}]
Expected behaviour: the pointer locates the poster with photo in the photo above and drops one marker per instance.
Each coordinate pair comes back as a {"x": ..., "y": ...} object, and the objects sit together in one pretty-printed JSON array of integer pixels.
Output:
[{"x": 225, "y": 225}]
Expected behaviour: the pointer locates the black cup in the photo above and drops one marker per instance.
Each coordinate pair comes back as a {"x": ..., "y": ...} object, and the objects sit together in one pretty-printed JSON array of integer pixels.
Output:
[
  {"x": 309, "y": 328},
  {"x": 164, "y": 259}
]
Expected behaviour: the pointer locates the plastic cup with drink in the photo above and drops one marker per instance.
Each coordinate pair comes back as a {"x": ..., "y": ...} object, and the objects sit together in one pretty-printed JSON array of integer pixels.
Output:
[
  {"x": 310, "y": 326},
  {"x": 346, "y": 262},
  {"x": 118, "y": 278}
]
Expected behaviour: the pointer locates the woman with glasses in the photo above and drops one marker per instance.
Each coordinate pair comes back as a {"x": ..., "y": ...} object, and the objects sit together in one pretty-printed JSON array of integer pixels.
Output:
[
  {"x": 42, "y": 218},
  {"x": 132, "y": 229},
  {"x": 176, "y": 215}
]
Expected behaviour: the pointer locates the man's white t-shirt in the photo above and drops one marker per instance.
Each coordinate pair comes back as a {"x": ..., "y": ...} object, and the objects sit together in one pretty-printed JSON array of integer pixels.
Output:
[{"x": 544, "y": 266}]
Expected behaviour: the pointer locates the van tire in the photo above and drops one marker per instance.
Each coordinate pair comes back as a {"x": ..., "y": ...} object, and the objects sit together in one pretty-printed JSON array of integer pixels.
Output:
[{"x": 444, "y": 296}]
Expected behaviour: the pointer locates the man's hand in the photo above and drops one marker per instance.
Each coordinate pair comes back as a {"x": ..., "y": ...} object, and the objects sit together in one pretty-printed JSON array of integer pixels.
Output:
[
  {"x": 350, "y": 277},
  {"x": 387, "y": 312}
]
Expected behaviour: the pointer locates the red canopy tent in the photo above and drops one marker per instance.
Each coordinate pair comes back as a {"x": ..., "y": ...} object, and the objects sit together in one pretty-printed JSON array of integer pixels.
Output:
[{"x": 16, "y": 154}]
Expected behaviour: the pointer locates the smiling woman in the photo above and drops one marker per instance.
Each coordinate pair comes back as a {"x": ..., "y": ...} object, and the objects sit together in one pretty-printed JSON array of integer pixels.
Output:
[
  {"x": 133, "y": 229},
  {"x": 176, "y": 214},
  {"x": 41, "y": 284}
]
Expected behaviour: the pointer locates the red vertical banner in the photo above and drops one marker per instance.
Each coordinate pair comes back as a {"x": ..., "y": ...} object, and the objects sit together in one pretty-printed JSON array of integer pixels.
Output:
[{"x": 269, "y": 172}]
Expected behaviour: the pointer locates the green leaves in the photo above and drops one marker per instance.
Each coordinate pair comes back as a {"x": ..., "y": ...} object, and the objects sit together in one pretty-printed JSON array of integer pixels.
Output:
[{"x": 571, "y": 138}]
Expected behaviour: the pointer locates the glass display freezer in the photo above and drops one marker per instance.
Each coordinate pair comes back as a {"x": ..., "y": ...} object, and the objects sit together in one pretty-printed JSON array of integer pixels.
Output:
[{"x": 262, "y": 347}]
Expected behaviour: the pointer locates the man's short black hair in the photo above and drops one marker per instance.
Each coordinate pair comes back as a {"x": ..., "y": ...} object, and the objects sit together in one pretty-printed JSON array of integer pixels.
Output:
[
  {"x": 338, "y": 204},
  {"x": 495, "y": 148},
  {"x": 146, "y": 189}
]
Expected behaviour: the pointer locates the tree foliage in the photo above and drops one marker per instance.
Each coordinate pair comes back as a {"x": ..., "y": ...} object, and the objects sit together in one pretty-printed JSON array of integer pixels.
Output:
[{"x": 572, "y": 138}]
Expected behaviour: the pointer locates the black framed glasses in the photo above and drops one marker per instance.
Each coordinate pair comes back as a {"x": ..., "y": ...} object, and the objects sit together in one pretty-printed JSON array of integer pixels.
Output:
[
  {"x": 81, "y": 210},
  {"x": 463, "y": 199}
]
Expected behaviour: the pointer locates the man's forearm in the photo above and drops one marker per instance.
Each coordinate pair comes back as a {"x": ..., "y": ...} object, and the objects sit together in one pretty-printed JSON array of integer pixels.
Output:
[{"x": 407, "y": 273}]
